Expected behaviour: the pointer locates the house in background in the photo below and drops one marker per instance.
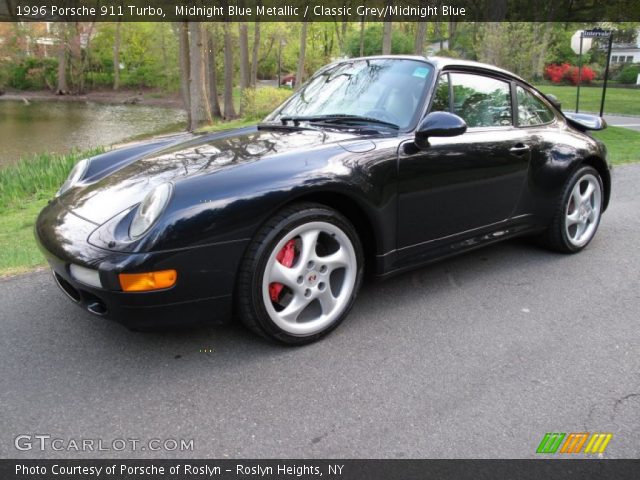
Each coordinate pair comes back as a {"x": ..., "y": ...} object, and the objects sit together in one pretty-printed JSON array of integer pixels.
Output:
[{"x": 626, "y": 52}]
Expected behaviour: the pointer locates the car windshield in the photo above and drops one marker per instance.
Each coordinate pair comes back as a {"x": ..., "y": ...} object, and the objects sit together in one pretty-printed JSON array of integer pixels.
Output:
[{"x": 384, "y": 91}]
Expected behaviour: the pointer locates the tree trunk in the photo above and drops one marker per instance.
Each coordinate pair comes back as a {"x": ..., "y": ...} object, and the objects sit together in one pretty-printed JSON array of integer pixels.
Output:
[
  {"x": 212, "y": 74},
  {"x": 200, "y": 113},
  {"x": 438, "y": 32},
  {"x": 303, "y": 48},
  {"x": 245, "y": 69},
  {"x": 229, "y": 110},
  {"x": 165, "y": 60},
  {"x": 256, "y": 51},
  {"x": 185, "y": 68},
  {"x": 362, "y": 37},
  {"x": 386, "y": 39},
  {"x": 421, "y": 33},
  {"x": 452, "y": 34},
  {"x": 62, "y": 87},
  {"x": 116, "y": 56}
]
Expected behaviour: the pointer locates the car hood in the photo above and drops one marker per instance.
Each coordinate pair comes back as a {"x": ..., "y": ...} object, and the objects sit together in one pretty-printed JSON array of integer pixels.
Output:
[{"x": 97, "y": 199}]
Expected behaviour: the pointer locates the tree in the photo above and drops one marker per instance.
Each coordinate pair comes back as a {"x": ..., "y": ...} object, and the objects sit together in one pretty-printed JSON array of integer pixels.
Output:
[
  {"x": 495, "y": 41},
  {"x": 229, "y": 110},
  {"x": 244, "y": 60},
  {"x": 185, "y": 67},
  {"x": 62, "y": 87},
  {"x": 212, "y": 74},
  {"x": 362, "y": 37},
  {"x": 303, "y": 46},
  {"x": 79, "y": 47},
  {"x": 452, "y": 34},
  {"x": 421, "y": 33},
  {"x": 116, "y": 56},
  {"x": 200, "y": 112},
  {"x": 256, "y": 51},
  {"x": 386, "y": 38}
]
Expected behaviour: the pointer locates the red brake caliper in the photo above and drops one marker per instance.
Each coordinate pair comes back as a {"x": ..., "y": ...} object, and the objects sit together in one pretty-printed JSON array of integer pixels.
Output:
[{"x": 285, "y": 257}]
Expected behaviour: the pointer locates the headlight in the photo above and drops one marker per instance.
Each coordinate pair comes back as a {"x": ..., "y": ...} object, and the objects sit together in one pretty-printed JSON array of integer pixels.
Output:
[
  {"x": 150, "y": 209},
  {"x": 75, "y": 175}
]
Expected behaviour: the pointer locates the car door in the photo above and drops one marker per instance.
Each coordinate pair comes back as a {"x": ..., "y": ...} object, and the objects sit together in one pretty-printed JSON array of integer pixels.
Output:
[{"x": 459, "y": 184}]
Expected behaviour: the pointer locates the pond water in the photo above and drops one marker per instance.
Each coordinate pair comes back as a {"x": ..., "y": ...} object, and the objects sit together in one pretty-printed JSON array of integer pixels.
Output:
[{"x": 59, "y": 126}]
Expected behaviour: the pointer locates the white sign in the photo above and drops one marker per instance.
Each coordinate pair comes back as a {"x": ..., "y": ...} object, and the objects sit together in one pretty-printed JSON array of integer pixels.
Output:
[{"x": 575, "y": 42}]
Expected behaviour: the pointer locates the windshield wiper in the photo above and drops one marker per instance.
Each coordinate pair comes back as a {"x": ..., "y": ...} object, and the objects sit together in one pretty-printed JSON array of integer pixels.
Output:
[{"x": 338, "y": 119}]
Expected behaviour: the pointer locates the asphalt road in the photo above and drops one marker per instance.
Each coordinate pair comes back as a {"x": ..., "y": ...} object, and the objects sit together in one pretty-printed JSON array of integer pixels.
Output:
[
  {"x": 478, "y": 356},
  {"x": 626, "y": 121}
]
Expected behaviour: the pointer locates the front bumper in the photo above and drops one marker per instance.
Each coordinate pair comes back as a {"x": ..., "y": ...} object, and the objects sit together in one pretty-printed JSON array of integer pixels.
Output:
[{"x": 202, "y": 294}]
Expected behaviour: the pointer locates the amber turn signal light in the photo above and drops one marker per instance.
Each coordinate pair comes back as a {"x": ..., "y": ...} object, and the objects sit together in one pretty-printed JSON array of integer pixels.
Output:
[{"x": 144, "y": 282}]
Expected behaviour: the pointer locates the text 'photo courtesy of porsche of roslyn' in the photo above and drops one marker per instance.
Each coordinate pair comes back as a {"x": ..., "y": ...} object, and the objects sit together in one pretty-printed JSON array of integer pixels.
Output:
[{"x": 304, "y": 239}]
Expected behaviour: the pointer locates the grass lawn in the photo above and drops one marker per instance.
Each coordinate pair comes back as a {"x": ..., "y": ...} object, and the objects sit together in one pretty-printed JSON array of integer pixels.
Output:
[
  {"x": 18, "y": 250},
  {"x": 26, "y": 187},
  {"x": 622, "y": 144},
  {"x": 618, "y": 100}
]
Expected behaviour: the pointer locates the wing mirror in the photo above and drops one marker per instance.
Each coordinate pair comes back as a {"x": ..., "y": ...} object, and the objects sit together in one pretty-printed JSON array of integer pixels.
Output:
[{"x": 439, "y": 124}]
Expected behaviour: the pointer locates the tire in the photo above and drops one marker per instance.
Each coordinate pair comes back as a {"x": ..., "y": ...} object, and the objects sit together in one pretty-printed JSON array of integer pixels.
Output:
[
  {"x": 300, "y": 274},
  {"x": 576, "y": 211}
]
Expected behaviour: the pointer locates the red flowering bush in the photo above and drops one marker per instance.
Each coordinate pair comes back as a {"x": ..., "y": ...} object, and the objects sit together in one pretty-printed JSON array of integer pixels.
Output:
[
  {"x": 556, "y": 73},
  {"x": 568, "y": 73},
  {"x": 587, "y": 74}
]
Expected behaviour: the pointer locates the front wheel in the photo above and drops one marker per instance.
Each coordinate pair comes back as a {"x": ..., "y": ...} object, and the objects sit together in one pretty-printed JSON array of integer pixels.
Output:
[
  {"x": 300, "y": 275},
  {"x": 578, "y": 214}
]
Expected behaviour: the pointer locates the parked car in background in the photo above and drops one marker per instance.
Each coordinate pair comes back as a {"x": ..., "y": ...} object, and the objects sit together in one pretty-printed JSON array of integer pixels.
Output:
[{"x": 289, "y": 80}]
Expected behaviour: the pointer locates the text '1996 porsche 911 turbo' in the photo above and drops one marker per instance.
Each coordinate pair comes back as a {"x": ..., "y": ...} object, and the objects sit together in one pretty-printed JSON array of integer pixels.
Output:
[{"x": 380, "y": 164}]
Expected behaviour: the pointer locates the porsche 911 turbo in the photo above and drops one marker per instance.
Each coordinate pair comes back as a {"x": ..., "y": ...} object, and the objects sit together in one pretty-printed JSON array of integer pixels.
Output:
[{"x": 377, "y": 164}]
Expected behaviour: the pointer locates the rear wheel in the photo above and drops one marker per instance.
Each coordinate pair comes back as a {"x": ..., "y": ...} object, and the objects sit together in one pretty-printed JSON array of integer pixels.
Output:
[
  {"x": 577, "y": 216},
  {"x": 300, "y": 275}
]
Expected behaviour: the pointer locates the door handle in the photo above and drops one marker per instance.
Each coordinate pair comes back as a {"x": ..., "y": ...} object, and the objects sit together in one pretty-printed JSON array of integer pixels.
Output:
[{"x": 519, "y": 149}]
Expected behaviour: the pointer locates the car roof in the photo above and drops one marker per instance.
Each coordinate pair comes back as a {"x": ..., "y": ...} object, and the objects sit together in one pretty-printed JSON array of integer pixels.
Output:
[{"x": 445, "y": 63}]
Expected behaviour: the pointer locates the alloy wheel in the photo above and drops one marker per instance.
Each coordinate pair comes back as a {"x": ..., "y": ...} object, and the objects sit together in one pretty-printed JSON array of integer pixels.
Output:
[
  {"x": 583, "y": 210},
  {"x": 309, "y": 278}
]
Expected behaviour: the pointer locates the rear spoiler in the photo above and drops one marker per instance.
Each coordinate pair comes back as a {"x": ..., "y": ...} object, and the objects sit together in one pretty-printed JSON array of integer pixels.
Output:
[{"x": 584, "y": 122}]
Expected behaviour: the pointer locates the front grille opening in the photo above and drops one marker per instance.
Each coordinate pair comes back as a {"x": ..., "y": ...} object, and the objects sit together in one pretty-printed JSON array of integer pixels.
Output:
[{"x": 67, "y": 288}]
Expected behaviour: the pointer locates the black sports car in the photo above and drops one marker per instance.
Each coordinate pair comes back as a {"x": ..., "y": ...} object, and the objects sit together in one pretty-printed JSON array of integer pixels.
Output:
[{"x": 379, "y": 164}]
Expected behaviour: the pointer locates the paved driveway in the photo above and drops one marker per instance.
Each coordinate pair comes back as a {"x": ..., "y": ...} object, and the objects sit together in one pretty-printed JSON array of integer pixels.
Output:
[{"x": 477, "y": 356}]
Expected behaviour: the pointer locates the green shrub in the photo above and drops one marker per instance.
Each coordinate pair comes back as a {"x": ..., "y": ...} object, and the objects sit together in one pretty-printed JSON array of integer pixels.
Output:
[
  {"x": 629, "y": 74},
  {"x": 33, "y": 73},
  {"x": 259, "y": 102}
]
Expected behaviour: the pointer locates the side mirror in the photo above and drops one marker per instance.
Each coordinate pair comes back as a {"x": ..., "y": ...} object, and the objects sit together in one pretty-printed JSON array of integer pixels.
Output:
[
  {"x": 439, "y": 124},
  {"x": 554, "y": 101}
]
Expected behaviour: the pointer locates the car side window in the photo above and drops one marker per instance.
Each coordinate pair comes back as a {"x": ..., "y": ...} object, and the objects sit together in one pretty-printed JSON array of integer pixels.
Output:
[
  {"x": 481, "y": 101},
  {"x": 441, "y": 95},
  {"x": 531, "y": 110}
]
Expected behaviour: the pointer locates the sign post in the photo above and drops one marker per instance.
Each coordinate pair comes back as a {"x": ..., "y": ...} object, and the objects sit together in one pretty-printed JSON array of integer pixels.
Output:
[
  {"x": 588, "y": 35},
  {"x": 579, "y": 73},
  {"x": 606, "y": 71}
]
